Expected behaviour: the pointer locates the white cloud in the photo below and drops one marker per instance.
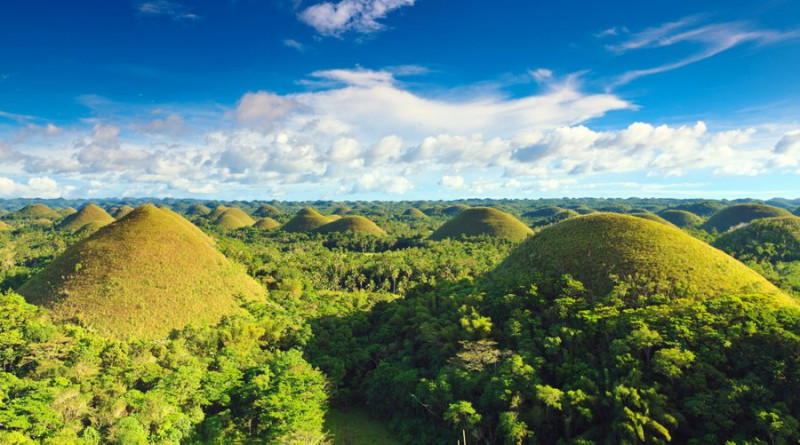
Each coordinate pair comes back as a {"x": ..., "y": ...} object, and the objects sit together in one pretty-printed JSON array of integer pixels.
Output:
[
  {"x": 164, "y": 8},
  {"x": 262, "y": 108},
  {"x": 709, "y": 40},
  {"x": 361, "y": 16},
  {"x": 453, "y": 182},
  {"x": 35, "y": 187},
  {"x": 292, "y": 43}
]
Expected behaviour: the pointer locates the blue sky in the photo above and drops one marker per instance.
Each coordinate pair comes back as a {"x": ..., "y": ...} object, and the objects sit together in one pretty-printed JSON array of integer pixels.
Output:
[{"x": 399, "y": 99}]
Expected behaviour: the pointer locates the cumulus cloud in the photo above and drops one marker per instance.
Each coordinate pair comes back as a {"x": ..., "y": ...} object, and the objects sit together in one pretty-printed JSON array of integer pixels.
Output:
[
  {"x": 35, "y": 187},
  {"x": 262, "y": 108},
  {"x": 336, "y": 18},
  {"x": 452, "y": 181}
]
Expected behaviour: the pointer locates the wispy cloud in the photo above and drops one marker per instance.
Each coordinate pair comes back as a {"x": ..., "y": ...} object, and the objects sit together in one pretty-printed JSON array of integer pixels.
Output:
[
  {"x": 334, "y": 19},
  {"x": 16, "y": 117},
  {"x": 707, "y": 40},
  {"x": 291, "y": 43},
  {"x": 164, "y": 8}
]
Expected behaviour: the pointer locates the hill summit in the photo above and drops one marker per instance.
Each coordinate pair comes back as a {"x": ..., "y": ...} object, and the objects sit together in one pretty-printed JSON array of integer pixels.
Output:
[
  {"x": 306, "y": 220},
  {"x": 234, "y": 218},
  {"x": 733, "y": 216},
  {"x": 36, "y": 211},
  {"x": 352, "y": 223},
  {"x": 593, "y": 247},
  {"x": 88, "y": 214},
  {"x": 476, "y": 221},
  {"x": 144, "y": 275}
]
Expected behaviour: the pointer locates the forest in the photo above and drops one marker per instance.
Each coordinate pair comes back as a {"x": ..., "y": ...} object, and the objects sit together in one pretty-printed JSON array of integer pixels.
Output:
[{"x": 139, "y": 321}]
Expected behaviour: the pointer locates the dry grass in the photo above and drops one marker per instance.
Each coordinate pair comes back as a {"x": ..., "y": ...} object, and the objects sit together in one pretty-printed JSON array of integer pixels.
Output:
[
  {"x": 477, "y": 221},
  {"x": 88, "y": 214},
  {"x": 306, "y": 220}
]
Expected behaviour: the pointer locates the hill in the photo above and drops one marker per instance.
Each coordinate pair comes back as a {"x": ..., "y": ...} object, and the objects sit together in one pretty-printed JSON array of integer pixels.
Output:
[
  {"x": 342, "y": 210},
  {"x": 741, "y": 214},
  {"x": 454, "y": 209},
  {"x": 652, "y": 217},
  {"x": 681, "y": 218},
  {"x": 769, "y": 239},
  {"x": 353, "y": 223},
  {"x": 121, "y": 211},
  {"x": 306, "y": 220},
  {"x": 144, "y": 275},
  {"x": 198, "y": 210},
  {"x": 593, "y": 247},
  {"x": 36, "y": 211},
  {"x": 477, "y": 221},
  {"x": 267, "y": 211},
  {"x": 266, "y": 224},
  {"x": 219, "y": 210},
  {"x": 88, "y": 214},
  {"x": 797, "y": 211},
  {"x": 544, "y": 212},
  {"x": 414, "y": 213},
  {"x": 66, "y": 211},
  {"x": 5, "y": 227},
  {"x": 234, "y": 218},
  {"x": 702, "y": 208}
]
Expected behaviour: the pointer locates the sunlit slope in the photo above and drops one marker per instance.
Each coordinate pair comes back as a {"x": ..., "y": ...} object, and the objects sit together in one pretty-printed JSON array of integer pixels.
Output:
[
  {"x": 741, "y": 214},
  {"x": 353, "y": 223},
  {"x": 770, "y": 239},
  {"x": 593, "y": 247},
  {"x": 306, "y": 220},
  {"x": 144, "y": 275},
  {"x": 476, "y": 221},
  {"x": 88, "y": 214},
  {"x": 681, "y": 218}
]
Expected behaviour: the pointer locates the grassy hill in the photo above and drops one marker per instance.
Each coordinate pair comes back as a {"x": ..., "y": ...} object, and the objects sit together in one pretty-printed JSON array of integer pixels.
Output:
[
  {"x": 454, "y": 209},
  {"x": 681, "y": 218},
  {"x": 652, "y": 217},
  {"x": 198, "y": 210},
  {"x": 414, "y": 213},
  {"x": 234, "y": 218},
  {"x": 592, "y": 247},
  {"x": 267, "y": 211},
  {"x": 266, "y": 224},
  {"x": 144, "y": 275},
  {"x": 306, "y": 220},
  {"x": 477, "y": 221},
  {"x": 88, "y": 214},
  {"x": 741, "y": 214},
  {"x": 352, "y": 223},
  {"x": 544, "y": 212},
  {"x": 703, "y": 208},
  {"x": 66, "y": 211},
  {"x": 769, "y": 239},
  {"x": 219, "y": 210},
  {"x": 5, "y": 227},
  {"x": 36, "y": 211},
  {"x": 342, "y": 210},
  {"x": 121, "y": 211}
]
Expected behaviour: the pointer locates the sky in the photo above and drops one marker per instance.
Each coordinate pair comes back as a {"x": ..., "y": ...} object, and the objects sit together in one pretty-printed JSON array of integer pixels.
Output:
[{"x": 399, "y": 99}]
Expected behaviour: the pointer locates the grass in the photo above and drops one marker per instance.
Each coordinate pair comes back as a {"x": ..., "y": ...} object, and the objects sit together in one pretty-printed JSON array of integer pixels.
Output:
[
  {"x": 306, "y": 220},
  {"x": 5, "y": 227},
  {"x": 544, "y": 212},
  {"x": 88, "y": 214},
  {"x": 591, "y": 247},
  {"x": 142, "y": 276},
  {"x": 219, "y": 210},
  {"x": 121, "y": 211},
  {"x": 652, "y": 217},
  {"x": 703, "y": 209},
  {"x": 681, "y": 218},
  {"x": 36, "y": 211},
  {"x": 234, "y": 218},
  {"x": 355, "y": 427},
  {"x": 66, "y": 211},
  {"x": 415, "y": 213},
  {"x": 198, "y": 210},
  {"x": 741, "y": 214},
  {"x": 266, "y": 224},
  {"x": 476, "y": 221},
  {"x": 267, "y": 211},
  {"x": 771, "y": 239},
  {"x": 352, "y": 223}
]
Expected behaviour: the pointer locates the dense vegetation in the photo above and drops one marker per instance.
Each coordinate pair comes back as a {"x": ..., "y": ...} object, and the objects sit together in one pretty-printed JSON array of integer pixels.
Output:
[{"x": 603, "y": 328}]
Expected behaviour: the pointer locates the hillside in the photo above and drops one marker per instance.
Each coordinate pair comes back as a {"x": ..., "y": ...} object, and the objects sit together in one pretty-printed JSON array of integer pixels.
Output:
[
  {"x": 198, "y": 210},
  {"x": 306, "y": 220},
  {"x": 266, "y": 224},
  {"x": 234, "y": 218},
  {"x": 267, "y": 211},
  {"x": 703, "y": 208},
  {"x": 352, "y": 223},
  {"x": 544, "y": 212},
  {"x": 592, "y": 247},
  {"x": 66, "y": 211},
  {"x": 414, "y": 213},
  {"x": 144, "y": 275},
  {"x": 5, "y": 227},
  {"x": 681, "y": 218},
  {"x": 121, "y": 211},
  {"x": 769, "y": 239},
  {"x": 36, "y": 211},
  {"x": 652, "y": 217},
  {"x": 219, "y": 210},
  {"x": 88, "y": 214},
  {"x": 477, "y": 221},
  {"x": 454, "y": 209},
  {"x": 741, "y": 214}
]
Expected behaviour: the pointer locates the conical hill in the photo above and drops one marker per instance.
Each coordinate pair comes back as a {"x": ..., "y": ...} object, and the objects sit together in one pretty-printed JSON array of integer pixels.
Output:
[
  {"x": 306, "y": 220},
  {"x": 476, "y": 221},
  {"x": 352, "y": 223},
  {"x": 234, "y": 218},
  {"x": 769, "y": 239},
  {"x": 266, "y": 224},
  {"x": 88, "y": 214},
  {"x": 144, "y": 275},
  {"x": 733, "y": 216},
  {"x": 36, "y": 211},
  {"x": 591, "y": 248}
]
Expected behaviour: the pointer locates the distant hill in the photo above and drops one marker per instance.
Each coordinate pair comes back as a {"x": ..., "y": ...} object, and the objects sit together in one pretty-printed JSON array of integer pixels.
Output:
[
  {"x": 36, "y": 211},
  {"x": 198, "y": 210},
  {"x": 544, "y": 212},
  {"x": 66, "y": 211},
  {"x": 267, "y": 211},
  {"x": 769, "y": 239},
  {"x": 266, "y": 224},
  {"x": 477, "y": 221},
  {"x": 681, "y": 218},
  {"x": 454, "y": 209},
  {"x": 352, "y": 223},
  {"x": 219, "y": 210},
  {"x": 703, "y": 208},
  {"x": 234, "y": 218},
  {"x": 88, "y": 214},
  {"x": 144, "y": 275},
  {"x": 121, "y": 211},
  {"x": 593, "y": 247},
  {"x": 306, "y": 220},
  {"x": 741, "y": 214},
  {"x": 652, "y": 217},
  {"x": 414, "y": 213}
]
